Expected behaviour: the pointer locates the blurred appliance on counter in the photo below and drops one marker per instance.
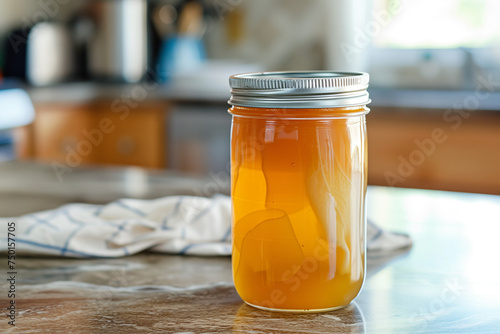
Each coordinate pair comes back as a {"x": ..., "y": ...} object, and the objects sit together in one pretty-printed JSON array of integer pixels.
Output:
[
  {"x": 182, "y": 52},
  {"x": 15, "y": 53},
  {"x": 17, "y": 110},
  {"x": 50, "y": 54},
  {"x": 348, "y": 41},
  {"x": 118, "y": 49}
]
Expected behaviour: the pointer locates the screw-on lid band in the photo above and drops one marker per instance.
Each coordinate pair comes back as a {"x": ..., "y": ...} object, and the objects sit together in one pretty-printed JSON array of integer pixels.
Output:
[{"x": 304, "y": 89}]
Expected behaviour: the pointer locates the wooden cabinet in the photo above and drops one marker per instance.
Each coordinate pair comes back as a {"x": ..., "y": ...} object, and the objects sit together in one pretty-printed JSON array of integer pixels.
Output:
[
  {"x": 424, "y": 148},
  {"x": 96, "y": 133}
]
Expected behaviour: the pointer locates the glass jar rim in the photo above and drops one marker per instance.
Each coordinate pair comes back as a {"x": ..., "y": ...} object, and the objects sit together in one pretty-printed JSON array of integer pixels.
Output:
[{"x": 299, "y": 113}]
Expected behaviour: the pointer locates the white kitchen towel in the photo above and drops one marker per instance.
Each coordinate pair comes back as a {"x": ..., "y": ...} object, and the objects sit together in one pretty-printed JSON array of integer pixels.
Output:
[{"x": 174, "y": 224}]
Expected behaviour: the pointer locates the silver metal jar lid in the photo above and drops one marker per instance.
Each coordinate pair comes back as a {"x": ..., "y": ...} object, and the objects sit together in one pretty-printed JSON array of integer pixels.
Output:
[{"x": 303, "y": 89}]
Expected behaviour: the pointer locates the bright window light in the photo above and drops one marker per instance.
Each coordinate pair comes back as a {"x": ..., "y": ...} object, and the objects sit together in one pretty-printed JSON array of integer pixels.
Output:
[{"x": 421, "y": 24}]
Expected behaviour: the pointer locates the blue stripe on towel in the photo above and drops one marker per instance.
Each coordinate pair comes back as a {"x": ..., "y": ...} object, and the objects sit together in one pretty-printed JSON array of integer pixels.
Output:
[
  {"x": 119, "y": 228},
  {"x": 183, "y": 251},
  {"x": 128, "y": 207},
  {"x": 204, "y": 211},
  {"x": 176, "y": 210},
  {"x": 227, "y": 234},
  {"x": 115, "y": 233},
  {"x": 376, "y": 236},
  {"x": 41, "y": 221},
  {"x": 71, "y": 219},
  {"x": 200, "y": 215},
  {"x": 188, "y": 247},
  {"x": 71, "y": 235},
  {"x": 37, "y": 244},
  {"x": 99, "y": 210}
]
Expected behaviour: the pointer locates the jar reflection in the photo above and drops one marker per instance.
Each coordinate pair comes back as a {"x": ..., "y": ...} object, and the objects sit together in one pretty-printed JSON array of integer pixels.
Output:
[{"x": 349, "y": 319}]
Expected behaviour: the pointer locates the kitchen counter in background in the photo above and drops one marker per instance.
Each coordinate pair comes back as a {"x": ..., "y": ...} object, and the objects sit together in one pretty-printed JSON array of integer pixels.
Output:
[
  {"x": 78, "y": 92},
  {"x": 218, "y": 92},
  {"x": 30, "y": 187},
  {"x": 447, "y": 283}
]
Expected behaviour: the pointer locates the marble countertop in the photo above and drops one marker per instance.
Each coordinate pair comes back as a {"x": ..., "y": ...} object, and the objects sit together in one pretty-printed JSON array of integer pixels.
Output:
[{"x": 447, "y": 283}]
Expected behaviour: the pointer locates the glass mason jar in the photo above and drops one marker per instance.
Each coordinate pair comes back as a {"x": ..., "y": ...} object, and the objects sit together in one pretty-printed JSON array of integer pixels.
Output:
[{"x": 298, "y": 186}]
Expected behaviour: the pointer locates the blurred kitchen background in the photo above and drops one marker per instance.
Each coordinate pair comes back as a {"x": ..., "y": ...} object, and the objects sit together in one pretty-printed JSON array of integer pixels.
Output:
[{"x": 136, "y": 83}]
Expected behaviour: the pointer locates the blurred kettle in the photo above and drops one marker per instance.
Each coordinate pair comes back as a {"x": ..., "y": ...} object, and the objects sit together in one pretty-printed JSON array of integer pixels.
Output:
[
  {"x": 49, "y": 55},
  {"x": 118, "y": 44}
]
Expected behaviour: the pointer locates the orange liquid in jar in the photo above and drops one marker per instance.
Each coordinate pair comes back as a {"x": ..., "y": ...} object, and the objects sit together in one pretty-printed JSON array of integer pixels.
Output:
[{"x": 298, "y": 190}]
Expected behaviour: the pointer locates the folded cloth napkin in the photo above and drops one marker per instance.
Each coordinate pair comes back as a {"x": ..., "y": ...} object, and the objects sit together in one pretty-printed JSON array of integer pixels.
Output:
[{"x": 174, "y": 224}]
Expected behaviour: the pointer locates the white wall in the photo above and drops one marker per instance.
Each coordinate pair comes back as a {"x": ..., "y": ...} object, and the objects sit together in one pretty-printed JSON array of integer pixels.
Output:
[{"x": 293, "y": 34}]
